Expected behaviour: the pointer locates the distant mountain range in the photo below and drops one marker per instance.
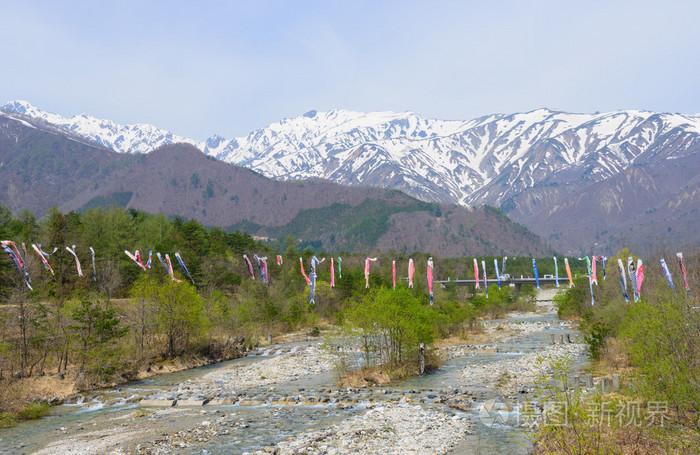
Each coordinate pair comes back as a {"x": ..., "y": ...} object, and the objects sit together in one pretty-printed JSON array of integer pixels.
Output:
[
  {"x": 583, "y": 182},
  {"x": 42, "y": 165}
]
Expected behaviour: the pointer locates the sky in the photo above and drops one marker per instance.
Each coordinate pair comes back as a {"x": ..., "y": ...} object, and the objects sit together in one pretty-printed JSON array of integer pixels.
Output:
[{"x": 230, "y": 67}]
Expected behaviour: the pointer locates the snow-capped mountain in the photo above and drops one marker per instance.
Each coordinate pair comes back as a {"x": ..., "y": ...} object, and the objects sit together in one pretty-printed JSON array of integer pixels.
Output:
[
  {"x": 482, "y": 161},
  {"x": 138, "y": 138},
  {"x": 530, "y": 164}
]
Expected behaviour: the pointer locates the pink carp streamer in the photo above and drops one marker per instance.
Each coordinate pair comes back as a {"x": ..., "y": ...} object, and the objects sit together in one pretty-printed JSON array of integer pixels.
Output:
[
  {"x": 77, "y": 262},
  {"x": 476, "y": 273},
  {"x": 393, "y": 272},
  {"x": 168, "y": 266},
  {"x": 332, "y": 274},
  {"x": 594, "y": 274},
  {"x": 250, "y": 266},
  {"x": 411, "y": 271},
  {"x": 640, "y": 276},
  {"x": 367, "y": 261},
  {"x": 136, "y": 257},
  {"x": 685, "y": 276},
  {"x": 170, "y": 269},
  {"x": 43, "y": 258},
  {"x": 430, "y": 278}
]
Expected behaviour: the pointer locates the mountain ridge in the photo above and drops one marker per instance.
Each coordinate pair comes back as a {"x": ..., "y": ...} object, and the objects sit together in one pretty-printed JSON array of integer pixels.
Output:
[
  {"x": 40, "y": 169},
  {"x": 528, "y": 164}
]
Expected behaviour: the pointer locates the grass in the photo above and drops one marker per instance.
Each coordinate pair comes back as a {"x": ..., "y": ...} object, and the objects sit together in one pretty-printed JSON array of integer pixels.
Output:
[
  {"x": 34, "y": 410},
  {"x": 30, "y": 411},
  {"x": 384, "y": 374},
  {"x": 365, "y": 377},
  {"x": 8, "y": 419}
]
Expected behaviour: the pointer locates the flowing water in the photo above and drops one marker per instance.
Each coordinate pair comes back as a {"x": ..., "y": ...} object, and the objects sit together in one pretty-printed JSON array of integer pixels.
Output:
[{"x": 249, "y": 428}]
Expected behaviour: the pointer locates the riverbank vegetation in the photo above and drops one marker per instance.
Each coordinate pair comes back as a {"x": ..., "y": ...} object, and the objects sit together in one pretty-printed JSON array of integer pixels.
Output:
[
  {"x": 654, "y": 346},
  {"x": 121, "y": 322}
]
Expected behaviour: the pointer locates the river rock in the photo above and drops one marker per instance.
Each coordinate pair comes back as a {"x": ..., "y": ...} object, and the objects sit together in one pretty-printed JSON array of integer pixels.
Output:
[
  {"x": 191, "y": 402},
  {"x": 157, "y": 403}
]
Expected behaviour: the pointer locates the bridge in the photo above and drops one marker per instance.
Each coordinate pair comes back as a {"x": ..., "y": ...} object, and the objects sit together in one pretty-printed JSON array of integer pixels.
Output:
[{"x": 515, "y": 282}]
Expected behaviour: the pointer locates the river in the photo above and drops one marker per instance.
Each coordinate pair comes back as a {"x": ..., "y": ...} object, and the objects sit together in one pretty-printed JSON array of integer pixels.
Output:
[{"x": 287, "y": 395}]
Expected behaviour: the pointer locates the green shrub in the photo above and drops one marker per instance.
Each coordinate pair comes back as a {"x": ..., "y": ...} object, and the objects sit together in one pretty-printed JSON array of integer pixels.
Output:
[
  {"x": 663, "y": 342},
  {"x": 34, "y": 410},
  {"x": 575, "y": 301},
  {"x": 393, "y": 324}
]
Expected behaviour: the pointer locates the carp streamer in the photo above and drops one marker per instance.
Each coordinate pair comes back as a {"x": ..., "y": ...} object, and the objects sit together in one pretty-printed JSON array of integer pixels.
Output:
[
  {"x": 250, "y": 266},
  {"x": 430, "y": 278},
  {"x": 44, "y": 260},
  {"x": 11, "y": 250},
  {"x": 633, "y": 278},
  {"x": 667, "y": 274},
  {"x": 332, "y": 274},
  {"x": 136, "y": 257},
  {"x": 77, "y": 262},
  {"x": 623, "y": 280},
  {"x": 486, "y": 283},
  {"x": 568, "y": 271},
  {"x": 685, "y": 275},
  {"x": 182, "y": 264},
  {"x": 498, "y": 277},
  {"x": 537, "y": 278},
  {"x": 367, "y": 261},
  {"x": 94, "y": 270}
]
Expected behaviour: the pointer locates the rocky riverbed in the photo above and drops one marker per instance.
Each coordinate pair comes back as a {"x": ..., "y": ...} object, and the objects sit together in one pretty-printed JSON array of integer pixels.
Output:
[
  {"x": 388, "y": 429},
  {"x": 273, "y": 404},
  {"x": 230, "y": 385},
  {"x": 513, "y": 376}
]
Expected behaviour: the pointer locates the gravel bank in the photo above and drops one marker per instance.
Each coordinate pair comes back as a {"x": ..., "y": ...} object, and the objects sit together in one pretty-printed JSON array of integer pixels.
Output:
[
  {"x": 301, "y": 363},
  {"x": 389, "y": 429},
  {"x": 510, "y": 375}
]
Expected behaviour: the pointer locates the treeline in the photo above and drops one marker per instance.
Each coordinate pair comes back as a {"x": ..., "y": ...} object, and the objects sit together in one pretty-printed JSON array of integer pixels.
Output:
[
  {"x": 212, "y": 255},
  {"x": 123, "y": 319},
  {"x": 653, "y": 344}
]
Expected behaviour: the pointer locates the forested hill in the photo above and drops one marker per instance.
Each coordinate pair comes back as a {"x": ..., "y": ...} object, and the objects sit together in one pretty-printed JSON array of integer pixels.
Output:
[{"x": 41, "y": 167}]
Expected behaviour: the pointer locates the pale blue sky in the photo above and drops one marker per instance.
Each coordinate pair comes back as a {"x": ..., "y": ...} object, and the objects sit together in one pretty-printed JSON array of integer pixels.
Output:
[{"x": 230, "y": 67}]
